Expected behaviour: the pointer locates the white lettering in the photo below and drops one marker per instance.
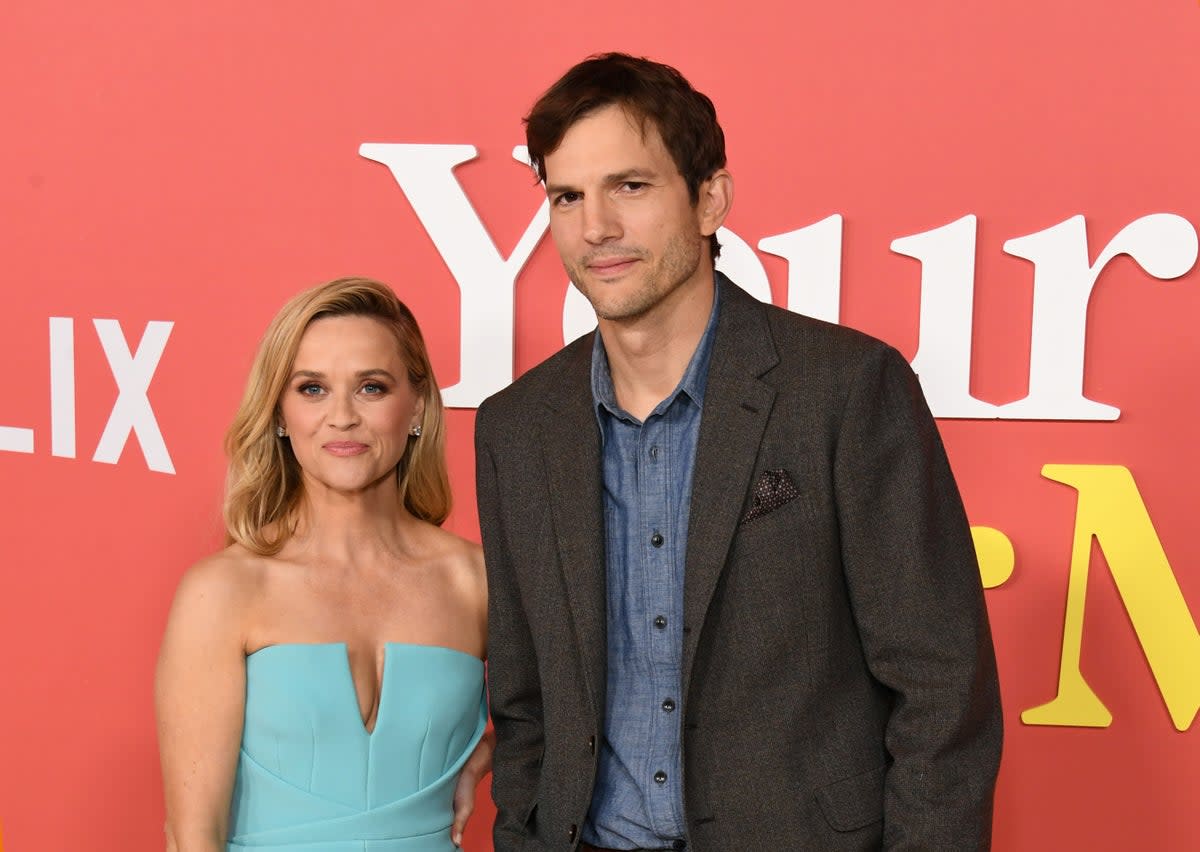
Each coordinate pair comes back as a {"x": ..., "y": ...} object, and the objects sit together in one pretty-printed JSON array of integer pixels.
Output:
[
  {"x": 814, "y": 258},
  {"x": 62, "y": 387},
  {"x": 132, "y": 411},
  {"x": 15, "y": 439},
  {"x": 1162, "y": 244},
  {"x": 943, "y": 359},
  {"x": 486, "y": 280}
]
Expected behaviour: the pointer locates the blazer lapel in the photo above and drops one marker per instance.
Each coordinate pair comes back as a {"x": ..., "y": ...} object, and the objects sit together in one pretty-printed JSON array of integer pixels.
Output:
[
  {"x": 737, "y": 406},
  {"x": 570, "y": 441}
]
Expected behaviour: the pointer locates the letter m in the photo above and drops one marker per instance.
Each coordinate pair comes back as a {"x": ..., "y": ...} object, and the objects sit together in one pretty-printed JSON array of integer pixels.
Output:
[{"x": 1111, "y": 510}]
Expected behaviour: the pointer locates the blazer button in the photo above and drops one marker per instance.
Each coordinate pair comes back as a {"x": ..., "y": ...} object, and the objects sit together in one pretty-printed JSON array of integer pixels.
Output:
[
  {"x": 571, "y": 832},
  {"x": 592, "y": 744}
]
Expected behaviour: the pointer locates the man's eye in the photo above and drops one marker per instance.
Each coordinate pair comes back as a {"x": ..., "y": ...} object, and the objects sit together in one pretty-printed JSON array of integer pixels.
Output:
[
  {"x": 565, "y": 198},
  {"x": 633, "y": 185}
]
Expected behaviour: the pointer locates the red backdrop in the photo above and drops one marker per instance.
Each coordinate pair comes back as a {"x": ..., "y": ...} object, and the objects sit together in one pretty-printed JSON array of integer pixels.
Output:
[{"x": 197, "y": 164}]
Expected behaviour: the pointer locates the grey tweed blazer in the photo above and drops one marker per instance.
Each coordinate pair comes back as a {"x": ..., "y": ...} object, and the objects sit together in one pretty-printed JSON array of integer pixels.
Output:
[{"x": 838, "y": 673}]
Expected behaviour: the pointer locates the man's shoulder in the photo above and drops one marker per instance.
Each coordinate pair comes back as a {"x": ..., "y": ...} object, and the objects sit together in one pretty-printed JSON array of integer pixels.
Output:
[
  {"x": 515, "y": 402},
  {"x": 796, "y": 329},
  {"x": 803, "y": 339}
]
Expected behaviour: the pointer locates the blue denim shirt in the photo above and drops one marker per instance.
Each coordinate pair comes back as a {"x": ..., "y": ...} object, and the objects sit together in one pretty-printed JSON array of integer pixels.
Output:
[{"x": 638, "y": 797}]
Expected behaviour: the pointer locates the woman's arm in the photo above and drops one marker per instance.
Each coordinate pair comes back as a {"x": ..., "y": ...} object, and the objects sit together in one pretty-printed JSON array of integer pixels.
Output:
[
  {"x": 199, "y": 698},
  {"x": 478, "y": 765}
]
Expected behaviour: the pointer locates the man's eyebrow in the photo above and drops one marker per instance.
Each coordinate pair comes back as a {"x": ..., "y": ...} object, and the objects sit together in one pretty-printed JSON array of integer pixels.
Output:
[
  {"x": 608, "y": 180},
  {"x": 630, "y": 174}
]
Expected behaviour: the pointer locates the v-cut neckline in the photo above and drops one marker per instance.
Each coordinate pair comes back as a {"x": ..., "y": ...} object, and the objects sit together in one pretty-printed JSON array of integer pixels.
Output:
[
  {"x": 370, "y": 724},
  {"x": 355, "y": 704}
]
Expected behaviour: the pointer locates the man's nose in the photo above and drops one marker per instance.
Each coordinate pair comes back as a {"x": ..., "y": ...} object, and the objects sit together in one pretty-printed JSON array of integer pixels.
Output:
[{"x": 600, "y": 220}]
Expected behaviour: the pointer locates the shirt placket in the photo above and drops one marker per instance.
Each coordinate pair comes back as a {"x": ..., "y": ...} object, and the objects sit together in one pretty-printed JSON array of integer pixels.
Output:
[{"x": 659, "y": 550}]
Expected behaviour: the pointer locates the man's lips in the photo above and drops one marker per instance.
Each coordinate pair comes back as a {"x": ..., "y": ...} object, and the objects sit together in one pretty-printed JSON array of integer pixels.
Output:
[
  {"x": 344, "y": 448},
  {"x": 611, "y": 265}
]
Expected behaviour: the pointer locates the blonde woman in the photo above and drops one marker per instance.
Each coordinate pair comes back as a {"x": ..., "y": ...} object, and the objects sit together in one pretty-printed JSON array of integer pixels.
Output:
[{"x": 320, "y": 683}]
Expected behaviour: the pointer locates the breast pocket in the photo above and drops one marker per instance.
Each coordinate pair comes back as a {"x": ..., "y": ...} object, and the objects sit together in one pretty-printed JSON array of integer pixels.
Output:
[{"x": 781, "y": 527}]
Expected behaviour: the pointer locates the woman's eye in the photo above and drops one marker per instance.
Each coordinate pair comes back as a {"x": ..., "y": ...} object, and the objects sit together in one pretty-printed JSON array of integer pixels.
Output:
[
  {"x": 374, "y": 388},
  {"x": 309, "y": 389}
]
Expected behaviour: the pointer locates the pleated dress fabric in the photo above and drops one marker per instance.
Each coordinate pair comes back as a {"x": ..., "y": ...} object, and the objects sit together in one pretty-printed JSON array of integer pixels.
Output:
[{"x": 311, "y": 778}]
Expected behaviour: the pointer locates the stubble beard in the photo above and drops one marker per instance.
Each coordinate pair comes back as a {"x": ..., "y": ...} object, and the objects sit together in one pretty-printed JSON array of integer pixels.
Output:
[{"x": 680, "y": 259}]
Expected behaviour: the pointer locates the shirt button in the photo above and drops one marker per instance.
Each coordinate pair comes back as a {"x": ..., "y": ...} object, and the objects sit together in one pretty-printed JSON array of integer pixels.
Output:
[
  {"x": 668, "y": 705},
  {"x": 660, "y": 621},
  {"x": 657, "y": 539},
  {"x": 654, "y": 452},
  {"x": 660, "y": 777}
]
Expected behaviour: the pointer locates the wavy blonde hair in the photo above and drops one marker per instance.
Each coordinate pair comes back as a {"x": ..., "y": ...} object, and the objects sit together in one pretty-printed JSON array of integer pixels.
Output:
[{"x": 264, "y": 487}]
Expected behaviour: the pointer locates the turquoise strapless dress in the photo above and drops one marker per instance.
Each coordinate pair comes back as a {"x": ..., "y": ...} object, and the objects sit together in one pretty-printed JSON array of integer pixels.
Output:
[{"x": 310, "y": 778}]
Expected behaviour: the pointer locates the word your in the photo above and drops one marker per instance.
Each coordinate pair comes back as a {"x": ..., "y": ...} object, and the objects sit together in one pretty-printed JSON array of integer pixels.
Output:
[{"x": 1162, "y": 244}]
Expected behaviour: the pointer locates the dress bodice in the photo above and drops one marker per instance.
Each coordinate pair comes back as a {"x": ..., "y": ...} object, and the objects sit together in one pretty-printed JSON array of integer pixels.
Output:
[{"x": 310, "y": 777}]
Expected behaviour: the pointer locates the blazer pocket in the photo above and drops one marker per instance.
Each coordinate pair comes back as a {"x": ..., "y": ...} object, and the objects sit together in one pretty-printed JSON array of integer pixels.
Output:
[
  {"x": 773, "y": 489},
  {"x": 780, "y": 529},
  {"x": 529, "y": 825},
  {"x": 853, "y": 802}
]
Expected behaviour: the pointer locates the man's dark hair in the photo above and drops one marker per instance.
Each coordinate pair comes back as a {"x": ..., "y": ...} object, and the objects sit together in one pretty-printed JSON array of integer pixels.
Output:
[{"x": 651, "y": 94}]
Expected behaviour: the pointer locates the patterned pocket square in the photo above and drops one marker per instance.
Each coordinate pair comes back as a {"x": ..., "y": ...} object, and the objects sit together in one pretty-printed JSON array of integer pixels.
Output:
[{"x": 773, "y": 489}]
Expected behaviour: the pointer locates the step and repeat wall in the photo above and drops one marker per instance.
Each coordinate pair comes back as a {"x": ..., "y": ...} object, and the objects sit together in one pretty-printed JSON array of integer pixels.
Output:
[{"x": 1008, "y": 192}]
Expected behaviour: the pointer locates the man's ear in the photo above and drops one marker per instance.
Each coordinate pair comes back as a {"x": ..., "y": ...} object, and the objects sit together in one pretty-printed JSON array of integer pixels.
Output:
[{"x": 716, "y": 197}]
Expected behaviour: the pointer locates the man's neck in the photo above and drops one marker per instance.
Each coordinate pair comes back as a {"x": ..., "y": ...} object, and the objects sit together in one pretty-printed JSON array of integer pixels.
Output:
[{"x": 647, "y": 356}]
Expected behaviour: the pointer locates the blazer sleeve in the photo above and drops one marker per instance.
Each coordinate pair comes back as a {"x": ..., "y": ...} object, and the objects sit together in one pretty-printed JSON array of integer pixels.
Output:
[
  {"x": 917, "y": 598},
  {"x": 514, "y": 691}
]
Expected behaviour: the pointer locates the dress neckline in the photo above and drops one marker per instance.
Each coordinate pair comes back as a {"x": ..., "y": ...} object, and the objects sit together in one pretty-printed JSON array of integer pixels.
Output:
[
  {"x": 385, "y": 646},
  {"x": 376, "y": 711}
]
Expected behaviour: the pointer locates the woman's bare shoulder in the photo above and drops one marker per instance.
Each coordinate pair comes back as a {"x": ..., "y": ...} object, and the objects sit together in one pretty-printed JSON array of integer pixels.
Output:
[
  {"x": 221, "y": 586},
  {"x": 460, "y": 554},
  {"x": 460, "y": 571}
]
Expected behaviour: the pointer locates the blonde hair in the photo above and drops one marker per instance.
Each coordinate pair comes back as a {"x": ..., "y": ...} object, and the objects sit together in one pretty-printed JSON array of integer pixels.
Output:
[{"x": 264, "y": 487}]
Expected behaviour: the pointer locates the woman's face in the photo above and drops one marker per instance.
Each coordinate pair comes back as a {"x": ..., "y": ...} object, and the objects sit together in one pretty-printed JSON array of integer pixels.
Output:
[{"x": 348, "y": 404}]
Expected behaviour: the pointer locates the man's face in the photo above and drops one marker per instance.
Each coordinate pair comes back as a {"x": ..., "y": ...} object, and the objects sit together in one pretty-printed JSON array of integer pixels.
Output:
[{"x": 621, "y": 217}]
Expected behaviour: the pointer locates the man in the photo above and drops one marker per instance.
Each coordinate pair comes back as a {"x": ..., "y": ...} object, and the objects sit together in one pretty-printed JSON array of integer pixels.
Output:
[{"x": 734, "y": 603}]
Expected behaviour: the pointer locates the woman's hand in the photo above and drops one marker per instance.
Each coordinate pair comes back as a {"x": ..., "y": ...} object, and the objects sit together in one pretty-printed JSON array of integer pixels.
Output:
[{"x": 478, "y": 765}]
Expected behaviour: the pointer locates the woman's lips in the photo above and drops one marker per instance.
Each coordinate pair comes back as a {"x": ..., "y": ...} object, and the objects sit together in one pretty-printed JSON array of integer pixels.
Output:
[{"x": 345, "y": 448}]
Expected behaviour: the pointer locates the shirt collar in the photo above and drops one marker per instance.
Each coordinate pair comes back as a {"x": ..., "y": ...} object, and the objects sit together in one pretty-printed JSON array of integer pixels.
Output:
[{"x": 693, "y": 383}]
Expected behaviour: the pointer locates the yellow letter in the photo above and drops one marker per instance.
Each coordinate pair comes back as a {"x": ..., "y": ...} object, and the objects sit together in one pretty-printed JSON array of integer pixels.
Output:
[
  {"x": 1111, "y": 509},
  {"x": 995, "y": 554}
]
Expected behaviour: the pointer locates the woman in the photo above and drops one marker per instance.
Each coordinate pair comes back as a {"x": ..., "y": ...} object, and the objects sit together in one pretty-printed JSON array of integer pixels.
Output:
[{"x": 320, "y": 682}]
